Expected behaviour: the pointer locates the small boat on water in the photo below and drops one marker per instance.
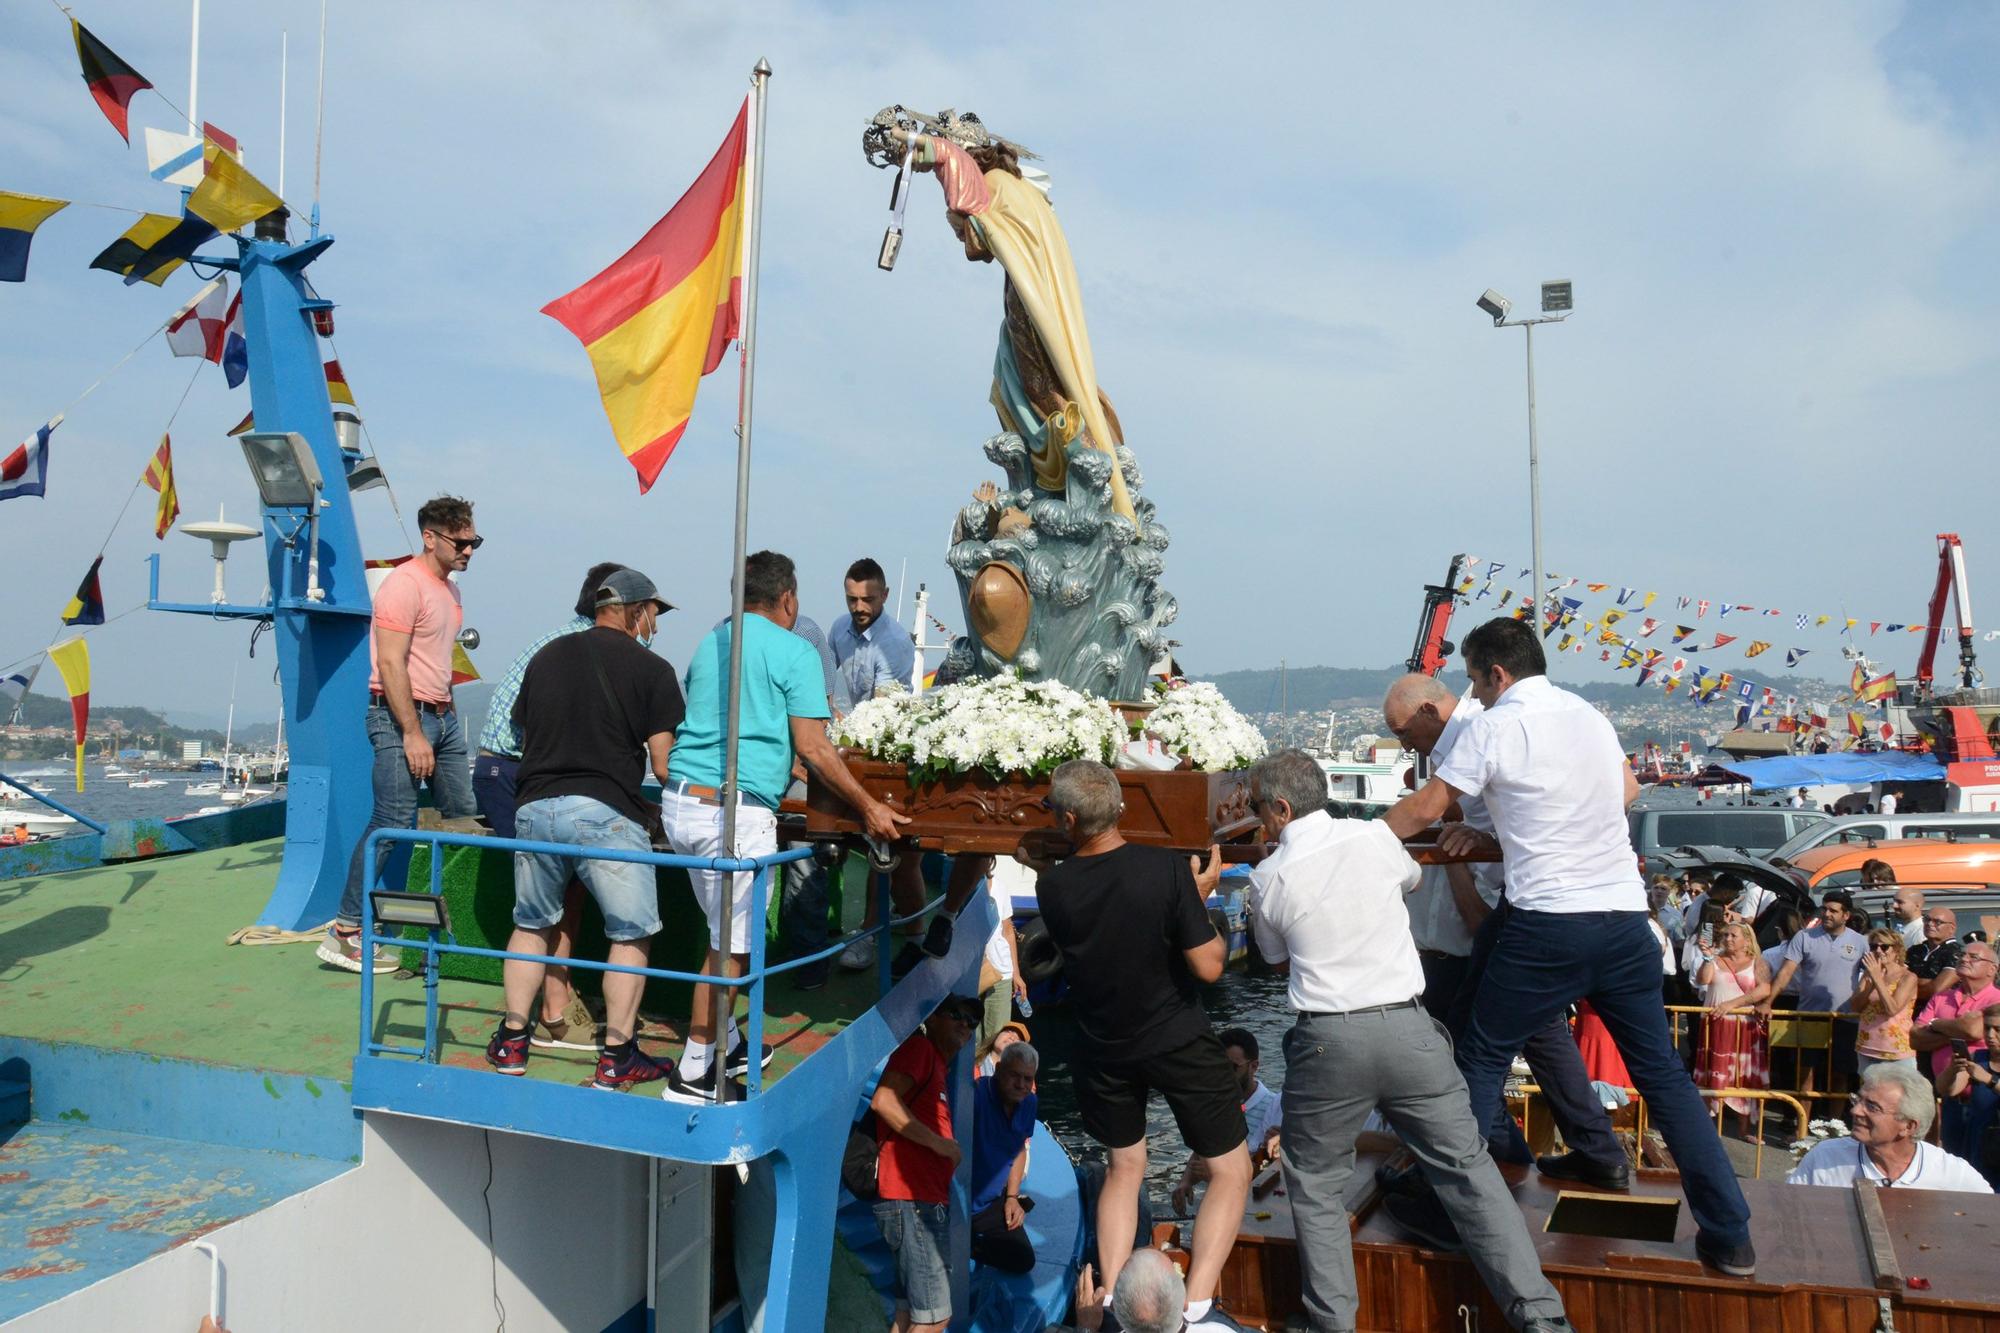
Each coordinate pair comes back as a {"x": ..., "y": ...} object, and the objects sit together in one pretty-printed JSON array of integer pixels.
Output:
[
  {"x": 144, "y": 782},
  {"x": 202, "y": 789}
]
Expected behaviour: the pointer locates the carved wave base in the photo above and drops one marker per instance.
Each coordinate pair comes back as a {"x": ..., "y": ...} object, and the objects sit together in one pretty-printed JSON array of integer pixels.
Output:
[{"x": 976, "y": 813}]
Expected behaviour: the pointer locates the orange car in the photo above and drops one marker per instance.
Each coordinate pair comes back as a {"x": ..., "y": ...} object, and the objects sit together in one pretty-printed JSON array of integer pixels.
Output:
[{"x": 1964, "y": 876}]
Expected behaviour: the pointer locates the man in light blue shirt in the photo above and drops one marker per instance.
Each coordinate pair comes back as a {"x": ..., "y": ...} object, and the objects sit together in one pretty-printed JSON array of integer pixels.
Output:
[
  {"x": 782, "y": 712},
  {"x": 870, "y": 649}
]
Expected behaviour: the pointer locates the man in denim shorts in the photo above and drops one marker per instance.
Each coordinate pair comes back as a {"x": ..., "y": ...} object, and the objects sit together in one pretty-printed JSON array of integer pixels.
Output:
[
  {"x": 918, "y": 1156},
  {"x": 592, "y": 706}
]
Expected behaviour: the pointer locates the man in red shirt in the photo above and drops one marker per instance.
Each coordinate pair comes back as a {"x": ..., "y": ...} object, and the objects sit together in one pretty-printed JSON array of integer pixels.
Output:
[
  {"x": 411, "y": 722},
  {"x": 917, "y": 1158}
]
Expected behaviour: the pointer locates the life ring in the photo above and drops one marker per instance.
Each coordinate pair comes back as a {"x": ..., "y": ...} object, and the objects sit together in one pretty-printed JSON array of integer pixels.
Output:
[{"x": 1041, "y": 960}]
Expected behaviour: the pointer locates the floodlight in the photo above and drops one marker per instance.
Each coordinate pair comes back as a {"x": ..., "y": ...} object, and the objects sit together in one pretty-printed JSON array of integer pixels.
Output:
[
  {"x": 1496, "y": 305},
  {"x": 282, "y": 463},
  {"x": 1555, "y": 297},
  {"x": 422, "y": 910}
]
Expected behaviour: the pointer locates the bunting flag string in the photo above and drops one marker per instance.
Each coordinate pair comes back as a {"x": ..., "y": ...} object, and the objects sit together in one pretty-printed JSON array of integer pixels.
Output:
[
  {"x": 111, "y": 81},
  {"x": 160, "y": 476},
  {"x": 72, "y": 659},
  {"x": 20, "y": 214}
]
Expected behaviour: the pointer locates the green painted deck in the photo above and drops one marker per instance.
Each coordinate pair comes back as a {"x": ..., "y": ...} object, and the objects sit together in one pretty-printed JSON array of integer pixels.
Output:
[{"x": 135, "y": 957}]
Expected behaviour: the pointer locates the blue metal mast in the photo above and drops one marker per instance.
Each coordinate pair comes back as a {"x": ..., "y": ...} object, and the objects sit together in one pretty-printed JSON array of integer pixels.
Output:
[{"x": 319, "y": 616}]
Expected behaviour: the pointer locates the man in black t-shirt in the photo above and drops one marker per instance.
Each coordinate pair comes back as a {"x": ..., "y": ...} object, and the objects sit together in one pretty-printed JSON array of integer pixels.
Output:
[
  {"x": 1935, "y": 961},
  {"x": 593, "y": 707},
  {"x": 1135, "y": 937}
]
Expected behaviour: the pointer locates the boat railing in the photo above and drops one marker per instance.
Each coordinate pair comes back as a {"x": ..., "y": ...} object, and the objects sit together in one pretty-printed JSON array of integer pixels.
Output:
[
  {"x": 21, "y": 785},
  {"x": 1641, "y": 1122},
  {"x": 754, "y": 978}
]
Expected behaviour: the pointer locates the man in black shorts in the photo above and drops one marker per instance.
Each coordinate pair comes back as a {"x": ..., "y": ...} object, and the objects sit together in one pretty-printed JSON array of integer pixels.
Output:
[{"x": 1135, "y": 937}]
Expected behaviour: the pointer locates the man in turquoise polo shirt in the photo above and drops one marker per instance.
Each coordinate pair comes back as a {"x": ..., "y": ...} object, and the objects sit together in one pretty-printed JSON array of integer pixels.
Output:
[{"x": 782, "y": 715}]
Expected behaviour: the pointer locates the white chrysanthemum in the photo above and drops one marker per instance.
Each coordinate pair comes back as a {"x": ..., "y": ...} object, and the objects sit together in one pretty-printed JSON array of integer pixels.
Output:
[{"x": 1197, "y": 721}]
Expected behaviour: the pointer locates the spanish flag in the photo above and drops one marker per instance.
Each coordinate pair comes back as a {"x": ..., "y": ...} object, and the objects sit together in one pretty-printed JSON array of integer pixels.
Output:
[
  {"x": 660, "y": 318},
  {"x": 336, "y": 385},
  {"x": 160, "y": 476},
  {"x": 1877, "y": 688},
  {"x": 111, "y": 81},
  {"x": 72, "y": 658}
]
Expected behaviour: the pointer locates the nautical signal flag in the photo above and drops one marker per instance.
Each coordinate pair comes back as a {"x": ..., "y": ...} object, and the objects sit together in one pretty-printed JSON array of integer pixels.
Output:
[
  {"x": 462, "y": 670},
  {"x": 235, "y": 347},
  {"x": 160, "y": 476},
  {"x": 197, "y": 328},
  {"x": 245, "y": 426},
  {"x": 336, "y": 385},
  {"x": 20, "y": 214},
  {"x": 72, "y": 658},
  {"x": 87, "y": 607},
  {"x": 660, "y": 317},
  {"x": 26, "y": 470},
  {"x": 119, "y": 256},
  {"x": 229, "y": 196},
  {"x": 16, "y": 686},
  {"x": 174, "y": 246},
  {"x": 111, "y": 81}
]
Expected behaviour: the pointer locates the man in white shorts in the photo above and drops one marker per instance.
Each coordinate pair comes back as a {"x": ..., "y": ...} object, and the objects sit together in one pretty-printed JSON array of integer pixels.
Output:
[{"x": 782, "y": 714}]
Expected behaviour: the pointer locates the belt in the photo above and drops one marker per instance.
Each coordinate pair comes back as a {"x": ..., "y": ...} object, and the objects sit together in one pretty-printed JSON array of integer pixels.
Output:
[
  {"x": 711, "y": 795},
  {"x": 375, "y": 700},
  {"x": 1414, "y": 1002}
]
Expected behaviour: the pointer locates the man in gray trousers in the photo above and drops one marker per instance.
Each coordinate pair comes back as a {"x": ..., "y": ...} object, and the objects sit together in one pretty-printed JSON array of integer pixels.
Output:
[{"x": 1327, "y": 908}]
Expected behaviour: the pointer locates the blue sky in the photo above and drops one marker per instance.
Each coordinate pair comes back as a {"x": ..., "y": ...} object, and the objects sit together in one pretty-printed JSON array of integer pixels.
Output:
[{"x": 1779, "y": 384}]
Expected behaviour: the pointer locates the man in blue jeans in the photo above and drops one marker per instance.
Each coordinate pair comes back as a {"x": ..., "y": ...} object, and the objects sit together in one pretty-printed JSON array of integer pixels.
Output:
[
  {"x": 595, "y": 708},
  {"x": 411, "y": 720},
  {"x": 1551, "y": 772}
]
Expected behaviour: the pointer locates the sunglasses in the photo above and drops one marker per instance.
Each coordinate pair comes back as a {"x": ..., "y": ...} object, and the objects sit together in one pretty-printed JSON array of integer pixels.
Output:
[{"x": 463, "y": 544}]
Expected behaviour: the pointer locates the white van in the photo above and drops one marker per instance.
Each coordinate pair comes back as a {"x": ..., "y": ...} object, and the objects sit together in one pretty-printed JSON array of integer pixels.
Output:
[{"x": 1879, "y": 828}]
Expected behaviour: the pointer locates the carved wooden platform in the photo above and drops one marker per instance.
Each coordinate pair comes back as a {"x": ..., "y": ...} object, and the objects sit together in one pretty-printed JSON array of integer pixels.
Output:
[
  {"x": 975, "y": 812},
  {"x": 1814, "y": 1273}
]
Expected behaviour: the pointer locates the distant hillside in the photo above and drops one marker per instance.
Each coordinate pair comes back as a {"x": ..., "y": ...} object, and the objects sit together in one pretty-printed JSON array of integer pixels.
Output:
[
  {"x": 1305, "y": 689},
  {"x": 40, "y": 710}
]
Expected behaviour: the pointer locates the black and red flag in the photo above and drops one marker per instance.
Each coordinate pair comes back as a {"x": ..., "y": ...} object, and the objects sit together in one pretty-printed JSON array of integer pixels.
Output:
[
  {"x": 110, "y": 80},
  {"x": 87, "y": 607}
]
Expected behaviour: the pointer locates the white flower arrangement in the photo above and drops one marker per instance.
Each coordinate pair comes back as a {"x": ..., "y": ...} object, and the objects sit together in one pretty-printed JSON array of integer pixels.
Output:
[
  {"x": 1818, "y": 1132},
  {"x": 1003, "y": 725},
  {"x": 1195, "y": 719}
]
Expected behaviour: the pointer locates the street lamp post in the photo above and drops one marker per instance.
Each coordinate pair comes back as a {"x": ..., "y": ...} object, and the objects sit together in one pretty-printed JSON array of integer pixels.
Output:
[{"x": 1556, "y": 307}]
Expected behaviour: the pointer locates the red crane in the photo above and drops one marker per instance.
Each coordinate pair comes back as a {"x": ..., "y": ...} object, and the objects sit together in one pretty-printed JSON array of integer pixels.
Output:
[
  {"x": 1950, "y": 580},
  {"x": 1427, "y": 658}
]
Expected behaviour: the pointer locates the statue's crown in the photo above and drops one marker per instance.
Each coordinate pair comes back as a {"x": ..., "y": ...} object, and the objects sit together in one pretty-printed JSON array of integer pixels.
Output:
[{"x": 963, "y": 128}]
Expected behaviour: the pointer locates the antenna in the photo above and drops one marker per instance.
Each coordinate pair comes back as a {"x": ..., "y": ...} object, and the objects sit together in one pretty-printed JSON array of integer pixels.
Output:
[
  {"x": 319, "y": 117},
  {"x": 284, "y": 54},
  {"x": 194, "y": 72}
]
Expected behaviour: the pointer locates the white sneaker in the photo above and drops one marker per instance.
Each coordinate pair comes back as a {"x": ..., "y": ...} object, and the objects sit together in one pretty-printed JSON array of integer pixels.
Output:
[{"x": 860, "y": 955}]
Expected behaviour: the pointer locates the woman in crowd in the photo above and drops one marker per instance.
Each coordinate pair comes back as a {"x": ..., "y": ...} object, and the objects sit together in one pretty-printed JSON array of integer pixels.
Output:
[
  {"x": 1970, "y": 1096},
  {"x": 1886, "y": 999},
  {"x": 1735, "y": 1047}
]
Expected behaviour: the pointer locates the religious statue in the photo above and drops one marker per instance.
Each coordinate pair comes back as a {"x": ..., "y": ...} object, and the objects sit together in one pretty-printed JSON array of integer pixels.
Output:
[{"x": 1058, "y": 569}]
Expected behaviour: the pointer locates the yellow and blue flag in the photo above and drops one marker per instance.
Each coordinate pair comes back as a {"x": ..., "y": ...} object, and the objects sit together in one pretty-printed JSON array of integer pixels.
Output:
[{"x": 20, "y": 214}]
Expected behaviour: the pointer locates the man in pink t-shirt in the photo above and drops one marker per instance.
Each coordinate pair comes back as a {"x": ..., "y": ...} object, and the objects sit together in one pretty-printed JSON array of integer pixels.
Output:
[
  {"x": 412, "y": 725},
  {"x": 1954, "y": 1013}
]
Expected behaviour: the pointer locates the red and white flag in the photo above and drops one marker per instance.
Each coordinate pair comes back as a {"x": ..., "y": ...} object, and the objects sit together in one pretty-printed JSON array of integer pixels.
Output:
[{"x": 200, "y": 328}]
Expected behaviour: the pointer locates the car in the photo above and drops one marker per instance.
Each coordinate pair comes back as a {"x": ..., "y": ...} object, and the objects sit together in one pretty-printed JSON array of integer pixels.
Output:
[
  {"x": 1753, "y": 829},
  {"x": 1964, "y": 876},
  {"x": 1856, "y": 828}
]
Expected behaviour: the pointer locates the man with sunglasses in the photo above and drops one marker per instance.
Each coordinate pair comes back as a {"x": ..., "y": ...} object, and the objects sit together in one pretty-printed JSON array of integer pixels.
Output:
[
  {"x": 1554, "y": 779},
  {"x": 411, "y": 722},
  {"x": 1935, "y": 960}
]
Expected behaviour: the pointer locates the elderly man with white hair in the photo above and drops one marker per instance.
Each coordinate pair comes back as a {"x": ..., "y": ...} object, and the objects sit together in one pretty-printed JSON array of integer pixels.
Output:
[
  {"x": 1889, "y": 1117},
  {"x": 1148, "y": 1298},
  {"x": 1003, "y": 1120}
]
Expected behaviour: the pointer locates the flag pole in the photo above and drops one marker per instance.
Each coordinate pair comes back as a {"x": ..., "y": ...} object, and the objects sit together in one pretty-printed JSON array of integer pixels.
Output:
[{"x": 753, "y": 209}]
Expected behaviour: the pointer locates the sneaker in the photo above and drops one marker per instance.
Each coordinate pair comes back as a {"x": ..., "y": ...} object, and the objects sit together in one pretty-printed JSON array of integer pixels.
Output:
[
  {"x": 575, "y": 1030},
  {"x": 937, "y": 938},
  {"x": 343, "y": 950},
  {"x": 1735, "y": 1260},
  {"x": 1575, "y": 1166},
  {"x": 1424, "y": 1220},
  {"x": 860, "y": 955},
  {"x": 697, "y": 1091},
  {"x": 739, "y": 1059},
  {"x": 622, "y": 1071},
  {"x": 508, "y": 1053},
  {"x": 906, "y": 960},
  {"x": 1405, "y": 1179}
]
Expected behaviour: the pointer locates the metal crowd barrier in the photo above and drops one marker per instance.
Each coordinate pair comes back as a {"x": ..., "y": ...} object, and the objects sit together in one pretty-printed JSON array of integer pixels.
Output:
[
  {"x": 1805, "y": 1031},
  {"x": 754, "y": 977},
  {"x": 1640, "y": 1125}
]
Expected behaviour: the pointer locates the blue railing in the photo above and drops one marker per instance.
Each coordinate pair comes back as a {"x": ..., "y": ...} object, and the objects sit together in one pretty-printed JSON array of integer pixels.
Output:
[
  {"x": 20, "y": 785},
  {"x": 753, "y": 978}
]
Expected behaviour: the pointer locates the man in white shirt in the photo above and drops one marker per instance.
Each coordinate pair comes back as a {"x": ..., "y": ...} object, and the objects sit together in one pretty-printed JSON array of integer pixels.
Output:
[
  {"x": 1552, "y": 773},
  {"x": 1429, "y": 719},
  {"x": 1889, "y": 1117},
  {"x": 1327, "y": 908},
  {"x": 1889, "y": 801}
]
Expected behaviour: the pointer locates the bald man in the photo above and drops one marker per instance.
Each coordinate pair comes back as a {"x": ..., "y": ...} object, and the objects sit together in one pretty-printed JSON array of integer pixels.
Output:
[{"x": 1428, "y": 718}]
